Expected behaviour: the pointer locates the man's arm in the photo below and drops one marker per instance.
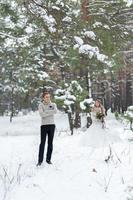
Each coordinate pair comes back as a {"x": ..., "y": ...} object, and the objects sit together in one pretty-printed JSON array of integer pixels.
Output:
[
  {"x": 44, "y": 113},
  {"x": 55, "y": 108}
]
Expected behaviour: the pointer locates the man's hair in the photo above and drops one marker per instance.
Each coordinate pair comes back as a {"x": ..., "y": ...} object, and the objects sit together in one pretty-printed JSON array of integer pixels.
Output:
[{"x": 44, "y": 94}]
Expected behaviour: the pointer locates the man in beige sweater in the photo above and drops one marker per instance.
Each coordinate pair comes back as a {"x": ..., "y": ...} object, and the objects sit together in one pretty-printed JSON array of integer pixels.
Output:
[{"x": 47, "y": 109}]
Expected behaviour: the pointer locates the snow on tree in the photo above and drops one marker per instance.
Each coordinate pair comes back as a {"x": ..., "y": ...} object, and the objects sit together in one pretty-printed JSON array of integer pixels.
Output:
[
  {"x": 38, "y": 37},
  {"x": 86, "y": 106},
  {"x": 129, "y": 116},
  {"x": 69, "y": 99}
]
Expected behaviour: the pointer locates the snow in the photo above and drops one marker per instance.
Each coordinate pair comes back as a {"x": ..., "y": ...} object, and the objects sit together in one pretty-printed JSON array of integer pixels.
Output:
[
  {"x": 9, "y": 42},
  {"x": 51, "y": 22},
  {"x": 8, "y": 88},
  {"x": 63, "y": 97},
  {"x": 129, "y": 113},
  {"x": 23, "y": 41},
  {"x": 129, "y": 2},
  {"x": 72, "y": 97},
  {"x": 48, "y": 19},
  {"x": 97, "y": 24},
  {"x": 29, "y": 29},
  {"x": 59, "y": 91},
  {"x": 68, "y": 102},
  {"x": 101, "y": 57},
  {"x": 68, "y": 94},
  {"x": 14, "y": 42},
  {"x": 86, "y": 49},
  {"x": 90, "y": 34},
  {"x": 77, "y": 172},
  {"x": 55, "y": 8},
  {"x": 86, "y": 101},
  {"x": 130, "y": 108},
  {"x": 67, "y": 19},
  {"x": 8, "y": 22},
  {"x": 76, "y": 12},
  {"x": 59, "y": 2},
  {"x": 43, "y": 75},
  {"x": 90, "y": 50},
  {"x": 22, "y": 21},
  {"x": 13, "y": 4},
  {"x": 106, "y": 26},
  {"x": 78, "y": 40},
  {"x": 74, "y": 84}
]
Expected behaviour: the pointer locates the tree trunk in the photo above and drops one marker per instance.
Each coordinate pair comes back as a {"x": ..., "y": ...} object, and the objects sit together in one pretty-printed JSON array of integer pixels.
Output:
[
  {"x": 12, "y": 106},
  {"x": 77, "y": 121},
  {"x": 70, "y": 118},
  {"x": 89, "y": 121},
  {"x": 88, "y": 83}
]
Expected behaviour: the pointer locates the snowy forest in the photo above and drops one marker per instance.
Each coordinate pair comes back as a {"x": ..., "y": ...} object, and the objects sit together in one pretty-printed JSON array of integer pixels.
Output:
[
  {"x": 78, "y": 51},
  {"x": 49, "y": 44}
]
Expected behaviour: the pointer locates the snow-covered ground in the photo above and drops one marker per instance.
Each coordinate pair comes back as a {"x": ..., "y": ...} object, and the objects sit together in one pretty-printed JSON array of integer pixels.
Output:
[
  {"x": 77, "y": 173},
  {"x": 29, "y": 124}
]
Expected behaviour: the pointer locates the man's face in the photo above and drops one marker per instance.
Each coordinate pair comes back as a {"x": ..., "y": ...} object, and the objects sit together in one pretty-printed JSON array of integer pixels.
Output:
[{"x": 47, "y": 98}]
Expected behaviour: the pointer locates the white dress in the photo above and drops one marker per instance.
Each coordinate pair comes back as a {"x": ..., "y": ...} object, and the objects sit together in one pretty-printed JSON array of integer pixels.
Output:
[{"x": 96, "y": 136}]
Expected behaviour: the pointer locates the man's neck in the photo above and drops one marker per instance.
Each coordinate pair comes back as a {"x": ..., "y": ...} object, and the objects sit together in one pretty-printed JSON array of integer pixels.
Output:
[{"x": 46, "y": 102}]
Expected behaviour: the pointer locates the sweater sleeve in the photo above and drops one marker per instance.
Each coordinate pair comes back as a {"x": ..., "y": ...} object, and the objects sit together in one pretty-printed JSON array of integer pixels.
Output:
[
  {"x": 45, "y": 113},
  {"x": 55, "y": 108}
]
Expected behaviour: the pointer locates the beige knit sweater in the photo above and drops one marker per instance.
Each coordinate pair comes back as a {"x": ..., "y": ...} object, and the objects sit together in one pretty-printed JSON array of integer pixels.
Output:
[{"x": 47, "y": 112}]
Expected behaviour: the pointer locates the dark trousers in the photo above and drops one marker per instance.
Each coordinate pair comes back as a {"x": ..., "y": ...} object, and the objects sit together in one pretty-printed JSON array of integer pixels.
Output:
[{"x": 46, "y": 130}]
